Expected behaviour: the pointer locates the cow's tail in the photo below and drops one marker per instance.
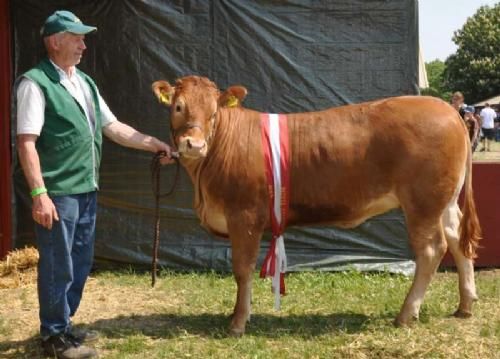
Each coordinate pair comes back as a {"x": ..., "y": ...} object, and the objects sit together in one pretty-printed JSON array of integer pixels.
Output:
[{"x": 470, "y": 229}]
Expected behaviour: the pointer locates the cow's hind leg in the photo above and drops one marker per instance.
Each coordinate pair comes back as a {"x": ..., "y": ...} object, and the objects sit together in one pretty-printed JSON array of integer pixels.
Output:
[
  {"x": 245, "y": 243},
  {"x": 429, "y": 246},
  {"x": 465, "y": 266}
]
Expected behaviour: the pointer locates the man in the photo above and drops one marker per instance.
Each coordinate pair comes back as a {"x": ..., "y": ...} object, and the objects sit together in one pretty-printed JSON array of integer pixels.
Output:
[
  {"x": 61, "y": 117},
  {"x": 487, "y": 115},
  {"x": 457, "y": 101}
]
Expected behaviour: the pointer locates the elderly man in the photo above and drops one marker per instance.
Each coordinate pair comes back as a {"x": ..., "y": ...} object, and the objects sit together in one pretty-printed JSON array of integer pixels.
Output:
[{"x": 61, "y": 117}]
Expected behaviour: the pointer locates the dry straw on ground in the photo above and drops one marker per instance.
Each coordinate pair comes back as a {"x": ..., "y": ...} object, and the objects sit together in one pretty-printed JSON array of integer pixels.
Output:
[{"x": 18, "y": 268}]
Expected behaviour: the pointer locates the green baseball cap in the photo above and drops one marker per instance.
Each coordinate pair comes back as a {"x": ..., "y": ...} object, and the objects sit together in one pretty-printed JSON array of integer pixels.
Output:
[{"x": 62, "y": 21}]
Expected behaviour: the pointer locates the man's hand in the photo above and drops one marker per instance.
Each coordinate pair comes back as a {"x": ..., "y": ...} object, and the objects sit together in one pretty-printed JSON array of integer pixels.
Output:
[
  {"x": 43, "y": 211},
  {"x": 163, "y": 147}
]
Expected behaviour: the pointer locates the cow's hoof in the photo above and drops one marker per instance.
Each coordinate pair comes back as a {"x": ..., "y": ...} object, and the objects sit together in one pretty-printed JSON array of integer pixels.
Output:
[
  {"x": 402, "y": 323},
  {"x": 462, "y": 314},
  {"x": 236, "y": 333}
]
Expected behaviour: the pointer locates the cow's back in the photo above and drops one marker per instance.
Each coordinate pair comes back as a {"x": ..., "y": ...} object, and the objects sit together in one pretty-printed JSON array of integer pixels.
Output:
[{"x": 352, "y": 162}]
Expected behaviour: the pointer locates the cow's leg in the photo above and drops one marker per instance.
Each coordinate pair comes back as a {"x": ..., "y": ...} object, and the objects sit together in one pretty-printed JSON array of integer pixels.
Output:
[
  {"x": 245, "y": 243},
  {"x": 429, "y": 246},
  {"x": 465, "y": 266}
]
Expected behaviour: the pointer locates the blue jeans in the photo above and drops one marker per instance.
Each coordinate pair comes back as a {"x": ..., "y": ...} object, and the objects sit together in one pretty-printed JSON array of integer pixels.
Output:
[{"x": 66, "y": 255}]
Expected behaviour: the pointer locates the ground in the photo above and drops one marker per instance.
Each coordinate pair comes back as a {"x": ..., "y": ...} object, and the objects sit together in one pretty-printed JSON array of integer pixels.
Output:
[
  {"x": 324, "y": 315},
  {"x": 492, "y": 156}
]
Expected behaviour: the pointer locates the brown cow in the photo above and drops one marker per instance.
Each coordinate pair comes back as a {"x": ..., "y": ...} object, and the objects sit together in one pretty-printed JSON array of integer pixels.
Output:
[{"x": 347, "y": 164}]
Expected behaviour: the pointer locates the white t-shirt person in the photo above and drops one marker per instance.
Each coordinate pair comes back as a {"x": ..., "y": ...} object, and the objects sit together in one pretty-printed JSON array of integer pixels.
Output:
[{"x": 488, "y": 115}]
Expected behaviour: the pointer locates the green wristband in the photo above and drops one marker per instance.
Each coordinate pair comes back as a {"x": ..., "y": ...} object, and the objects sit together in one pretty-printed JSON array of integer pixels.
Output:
[{"x": 38, "y": 191}]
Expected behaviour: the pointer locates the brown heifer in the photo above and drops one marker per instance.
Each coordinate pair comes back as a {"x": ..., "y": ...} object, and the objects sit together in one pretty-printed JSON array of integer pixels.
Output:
[{"x": 347, "y": 164}]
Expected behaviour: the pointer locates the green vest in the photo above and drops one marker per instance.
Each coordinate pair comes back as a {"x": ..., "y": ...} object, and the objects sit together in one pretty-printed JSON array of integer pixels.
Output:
[{"x": 68, "y": 147}]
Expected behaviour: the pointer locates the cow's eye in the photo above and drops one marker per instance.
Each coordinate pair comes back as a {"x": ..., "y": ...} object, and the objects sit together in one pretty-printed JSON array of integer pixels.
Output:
[{"x": 178, "y": 108}]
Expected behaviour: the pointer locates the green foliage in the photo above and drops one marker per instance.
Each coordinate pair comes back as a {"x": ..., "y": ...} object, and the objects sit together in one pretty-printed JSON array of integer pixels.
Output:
[
  {"x": 435, "y": 70},
  {"x": 475, "y": 68},
  {"x": 437, "y": 86}
]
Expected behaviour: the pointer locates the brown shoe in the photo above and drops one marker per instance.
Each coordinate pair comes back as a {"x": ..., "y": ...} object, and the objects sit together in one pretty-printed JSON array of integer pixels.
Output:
[{"x": 61, "y": 347}]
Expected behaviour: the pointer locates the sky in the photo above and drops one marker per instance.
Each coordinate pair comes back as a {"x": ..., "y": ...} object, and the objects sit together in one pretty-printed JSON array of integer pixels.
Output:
[{"x": 438, "y": 19}]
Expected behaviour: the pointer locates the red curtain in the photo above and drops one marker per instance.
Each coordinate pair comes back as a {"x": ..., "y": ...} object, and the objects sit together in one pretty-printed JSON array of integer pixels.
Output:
[{"x": 5, "y": 148}]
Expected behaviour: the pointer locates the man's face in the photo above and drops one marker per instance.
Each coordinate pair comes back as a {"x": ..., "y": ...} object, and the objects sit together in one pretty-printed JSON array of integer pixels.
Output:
[
  {"x": 69, "y": 48},
  {"x": 457, "y": 100}
]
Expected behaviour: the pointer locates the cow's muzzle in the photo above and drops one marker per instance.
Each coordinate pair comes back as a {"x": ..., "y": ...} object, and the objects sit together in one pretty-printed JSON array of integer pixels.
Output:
[{"x": 192, "y": 147}]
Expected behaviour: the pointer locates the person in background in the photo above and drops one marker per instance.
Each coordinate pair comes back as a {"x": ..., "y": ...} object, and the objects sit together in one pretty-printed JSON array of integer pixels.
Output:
[
  {"x": 473, "y": 126},
  {"x": 478, "y": 120},
  {"x": 497, "y": 124},
  {"x": 457, "y": 101},
  {"x": 61, "y": 117},
  {"x": 488, "y": 116}
]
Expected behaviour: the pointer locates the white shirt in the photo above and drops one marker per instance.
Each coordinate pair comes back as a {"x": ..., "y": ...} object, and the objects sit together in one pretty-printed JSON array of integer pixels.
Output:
[
  {"x": 488, "y": 115},
  {"x": 31, "y": 102}
]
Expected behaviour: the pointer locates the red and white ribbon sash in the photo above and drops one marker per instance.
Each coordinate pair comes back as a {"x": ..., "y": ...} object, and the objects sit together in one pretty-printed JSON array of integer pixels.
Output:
[{"x": 276, "y": 156}]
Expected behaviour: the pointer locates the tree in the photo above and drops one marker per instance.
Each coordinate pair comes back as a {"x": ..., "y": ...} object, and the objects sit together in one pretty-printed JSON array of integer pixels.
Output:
[
  {"x": 437, "y": 87},
  {"x": 475, "y": 68}
]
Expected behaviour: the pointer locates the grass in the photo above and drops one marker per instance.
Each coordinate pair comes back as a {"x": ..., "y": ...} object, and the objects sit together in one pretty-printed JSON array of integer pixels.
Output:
[
  {"x": 324, "y": 315},
  {"x": 492, "y": 156}
]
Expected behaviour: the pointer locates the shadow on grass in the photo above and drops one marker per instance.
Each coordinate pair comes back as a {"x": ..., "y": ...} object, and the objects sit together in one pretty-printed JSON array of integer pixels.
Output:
[
  {"x": 216, "y": 325},
  {"x": 212, "y": 326},
  {"x": 26, "y": 349}
]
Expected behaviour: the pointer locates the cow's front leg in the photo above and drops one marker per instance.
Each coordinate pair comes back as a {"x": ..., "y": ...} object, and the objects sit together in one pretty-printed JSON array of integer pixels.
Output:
[{"x": 245, "y": 243}]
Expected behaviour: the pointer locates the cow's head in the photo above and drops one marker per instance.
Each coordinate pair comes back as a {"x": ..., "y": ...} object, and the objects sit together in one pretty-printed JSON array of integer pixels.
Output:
[{"x": 194, "y": 102}]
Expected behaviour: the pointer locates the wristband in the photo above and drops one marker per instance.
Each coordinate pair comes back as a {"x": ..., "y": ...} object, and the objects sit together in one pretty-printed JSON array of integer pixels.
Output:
[{"x": 38, "y": 191}]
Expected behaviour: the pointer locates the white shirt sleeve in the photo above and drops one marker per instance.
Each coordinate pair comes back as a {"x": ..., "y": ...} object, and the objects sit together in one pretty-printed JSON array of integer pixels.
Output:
[
  {"x": 30, "y": 108},
  {"x": 106, "y": 115}
]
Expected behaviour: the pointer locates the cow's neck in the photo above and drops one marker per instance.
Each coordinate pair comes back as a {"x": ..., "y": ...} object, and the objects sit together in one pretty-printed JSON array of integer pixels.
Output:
[
  {"x": 193, "y": 168},
  {"x": 235, "y": 140}
]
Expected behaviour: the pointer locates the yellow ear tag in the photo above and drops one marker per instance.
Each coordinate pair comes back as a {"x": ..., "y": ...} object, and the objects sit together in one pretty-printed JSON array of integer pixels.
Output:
[
  {"x": 165, "y": 98},
  {"x": 232, "y": 101}
]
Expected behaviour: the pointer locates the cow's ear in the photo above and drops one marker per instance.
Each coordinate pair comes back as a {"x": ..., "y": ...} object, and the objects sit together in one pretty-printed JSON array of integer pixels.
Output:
[
  {"x": 163, "y": 92},
  {"x": 233, "y": 96}
]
